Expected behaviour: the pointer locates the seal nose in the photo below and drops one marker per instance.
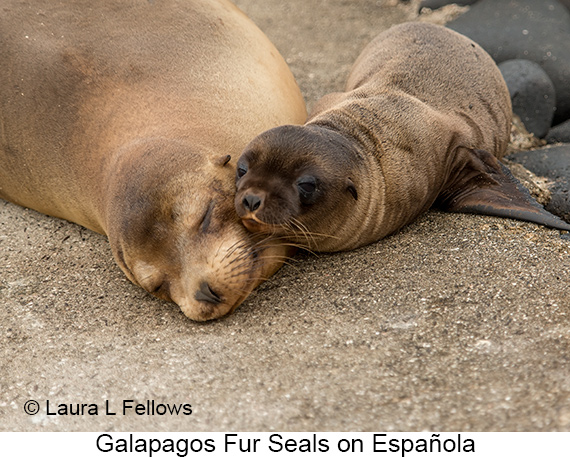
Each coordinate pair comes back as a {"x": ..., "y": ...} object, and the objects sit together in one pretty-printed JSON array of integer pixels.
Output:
[
  {"x": 205, "y": 293},
  {"x": 251, "y": 202}
]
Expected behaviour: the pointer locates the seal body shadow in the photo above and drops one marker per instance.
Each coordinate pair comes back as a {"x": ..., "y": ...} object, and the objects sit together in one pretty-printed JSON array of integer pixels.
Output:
[
  {"x": 424, "y": 118},
  {"x": 123, "y": 116}
]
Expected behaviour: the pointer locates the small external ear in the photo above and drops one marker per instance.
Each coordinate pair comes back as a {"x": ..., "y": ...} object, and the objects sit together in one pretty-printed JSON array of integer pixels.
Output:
[
  {"x": 351, "y": 188},
  {"x": 223, "y": 161}
]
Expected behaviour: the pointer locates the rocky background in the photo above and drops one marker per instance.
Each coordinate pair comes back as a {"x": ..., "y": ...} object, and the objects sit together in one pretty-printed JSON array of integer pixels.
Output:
[{"x": 530, "y": 41}]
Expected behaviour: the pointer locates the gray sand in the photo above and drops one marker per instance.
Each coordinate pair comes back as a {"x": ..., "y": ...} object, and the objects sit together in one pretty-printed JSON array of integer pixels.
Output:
[{"x": 457, "y": 322}]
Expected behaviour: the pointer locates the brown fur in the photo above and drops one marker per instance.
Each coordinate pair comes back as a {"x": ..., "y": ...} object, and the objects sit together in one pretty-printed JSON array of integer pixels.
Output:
[
  {"x": 120, "y": 116},
  {"x": 423, "y": 119}
]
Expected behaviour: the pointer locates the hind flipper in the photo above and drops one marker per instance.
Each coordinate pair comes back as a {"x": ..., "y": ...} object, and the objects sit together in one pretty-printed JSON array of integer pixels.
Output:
[{"x": 483, "y": 185}]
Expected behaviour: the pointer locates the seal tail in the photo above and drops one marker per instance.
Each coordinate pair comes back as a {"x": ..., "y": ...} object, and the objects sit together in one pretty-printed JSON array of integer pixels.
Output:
[{"x": 485, "y": 186}]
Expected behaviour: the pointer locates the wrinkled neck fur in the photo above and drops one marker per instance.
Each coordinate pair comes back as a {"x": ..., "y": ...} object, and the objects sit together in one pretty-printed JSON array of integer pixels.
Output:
[
  {"x": 353, "y": 128},
  {"x": 364, "y": 224}
]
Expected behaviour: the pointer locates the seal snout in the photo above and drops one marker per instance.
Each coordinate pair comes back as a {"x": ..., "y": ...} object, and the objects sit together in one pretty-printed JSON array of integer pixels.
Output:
[
  {"x": 206, "y": 294},
  {"x": 250, "y": 205},
  {"x": 252, "y": 202},
  {"x": 249, "y": 210}
]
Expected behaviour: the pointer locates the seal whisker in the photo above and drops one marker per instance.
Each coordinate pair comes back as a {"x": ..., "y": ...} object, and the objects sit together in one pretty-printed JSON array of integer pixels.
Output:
[
  {"x": 312, "y": 233},
  {"x": 241, "y": 264},
  {"x": 301, "y": 227},
  {"x": 252, "y": 265},
  {"x": 284, "y": 260},
  {"x": 248, "y": 279},
  {"x": 243, "y": 256},
  {"x": 282, "y": 240},
  {"x": 234, "y": 247},
  {"x": 309, "y": 236}
]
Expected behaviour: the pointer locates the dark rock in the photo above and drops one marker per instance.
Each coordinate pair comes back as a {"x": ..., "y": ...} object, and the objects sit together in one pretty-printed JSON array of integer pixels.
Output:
[
  {"x": 552, "y": 162},
  {"x": 435, "y": 4},
  {"x": 559, "y": 134},
  {"x": 532, "y": 94},
  {"x": 566, "y": 3},
  {"x": 536, "y": 30}
]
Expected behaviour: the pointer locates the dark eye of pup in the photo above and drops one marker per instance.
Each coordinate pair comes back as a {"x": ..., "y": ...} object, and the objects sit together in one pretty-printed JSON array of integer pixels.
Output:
[
  {"x": 307, "y": 186},
  {"x": 241, "y": 170}
]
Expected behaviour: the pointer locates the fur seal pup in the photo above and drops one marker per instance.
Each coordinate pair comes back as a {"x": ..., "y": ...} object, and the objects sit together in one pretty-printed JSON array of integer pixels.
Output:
[
  {"x": 122, "y": 116},
  {"x": 423, "y": 120}
]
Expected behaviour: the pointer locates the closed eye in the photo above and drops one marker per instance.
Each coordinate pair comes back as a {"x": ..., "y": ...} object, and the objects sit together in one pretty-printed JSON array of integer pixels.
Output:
[
  {"x": 162, "y": 290},
  {"x": 205, "y": 224}
]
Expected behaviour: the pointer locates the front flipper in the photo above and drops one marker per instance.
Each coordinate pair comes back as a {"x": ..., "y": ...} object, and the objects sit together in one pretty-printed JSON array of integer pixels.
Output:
[{"x": 480, "y": 184}]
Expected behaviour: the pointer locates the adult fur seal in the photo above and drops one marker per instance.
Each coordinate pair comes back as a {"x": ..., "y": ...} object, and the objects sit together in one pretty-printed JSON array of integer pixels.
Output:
[
  {"x": 424, "y": 117},
  {"x": 122, "y": 115}
]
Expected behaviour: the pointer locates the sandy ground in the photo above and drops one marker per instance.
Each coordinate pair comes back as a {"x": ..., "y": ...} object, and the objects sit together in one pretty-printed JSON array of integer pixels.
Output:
[{"x": 457, "y": 322}]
